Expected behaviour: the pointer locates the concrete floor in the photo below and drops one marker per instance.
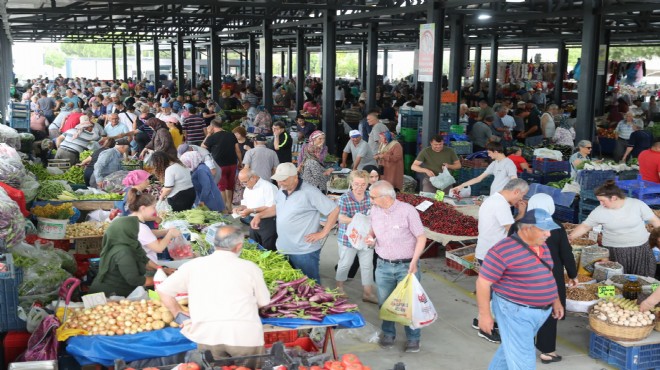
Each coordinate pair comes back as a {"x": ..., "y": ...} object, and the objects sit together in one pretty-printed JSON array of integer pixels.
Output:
[{"x": 450, "y": 343}]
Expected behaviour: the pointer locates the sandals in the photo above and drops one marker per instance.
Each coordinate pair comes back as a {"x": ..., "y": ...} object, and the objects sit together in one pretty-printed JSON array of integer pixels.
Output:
[{"x": 552, "y": 358}]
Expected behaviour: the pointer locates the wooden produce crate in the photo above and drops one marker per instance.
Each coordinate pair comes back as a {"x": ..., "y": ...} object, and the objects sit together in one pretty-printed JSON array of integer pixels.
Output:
[{"x": 90, "y": 245}]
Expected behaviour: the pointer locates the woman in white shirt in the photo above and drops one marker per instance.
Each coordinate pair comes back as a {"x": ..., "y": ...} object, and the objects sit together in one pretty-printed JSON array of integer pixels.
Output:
[
  {"x": 143, "y": 206},
  {"x": 176, "y": 179}
]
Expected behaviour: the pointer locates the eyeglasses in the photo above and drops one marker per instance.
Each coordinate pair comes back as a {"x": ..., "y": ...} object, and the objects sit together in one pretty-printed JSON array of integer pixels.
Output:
[
  {"x": 359, "y": 185},
  {"x": 587, "y": 147}
]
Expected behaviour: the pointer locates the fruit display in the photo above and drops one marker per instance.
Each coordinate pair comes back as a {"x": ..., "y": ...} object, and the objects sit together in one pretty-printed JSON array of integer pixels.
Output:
[
  {"x": 442, "y": 218},
  {"x": 123, "y": 317},
  {"x": 86, "y": 229},
  {"x": 58, "y": 212},
  {"x": 622, "y": 312},
  {"x": 606, "y": 133}
]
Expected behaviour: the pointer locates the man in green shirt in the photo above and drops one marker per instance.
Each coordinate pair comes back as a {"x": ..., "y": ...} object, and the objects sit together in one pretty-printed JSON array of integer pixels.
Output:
[{"x": 433, "y": 159}]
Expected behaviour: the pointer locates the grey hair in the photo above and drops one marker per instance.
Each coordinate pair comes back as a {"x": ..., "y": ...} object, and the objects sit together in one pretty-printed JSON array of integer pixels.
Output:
[
  {"x": 384, "y": 188},
  {"x": 583, "y": 143},
  {"x": 502, "y": 108},
  {"x": 227, "y": 237},
  {"x": 553, "y": 106},
  {"x": 518, "y": 184}
]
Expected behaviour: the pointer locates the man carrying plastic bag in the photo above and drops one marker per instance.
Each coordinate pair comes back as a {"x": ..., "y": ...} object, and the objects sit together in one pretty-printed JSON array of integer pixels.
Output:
[
  {"x": 398, "y": 236},
  {"x": 409, "y": 305}
]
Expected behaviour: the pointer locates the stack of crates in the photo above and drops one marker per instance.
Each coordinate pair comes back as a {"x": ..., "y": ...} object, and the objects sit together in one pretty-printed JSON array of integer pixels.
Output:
[
  {"x": 588, "y": 202},
  {"x": 628, "y": 357},
  {"x": 482, "y": 188},
  {"x": 9, "y": 282},
  {"x": 547, "y": 170},
  {"x": 411, "y": 123},
  {"x": 646, "y": 191},
  {"x": 565, "y": 205},
  {"x": 593, "y": 179}
]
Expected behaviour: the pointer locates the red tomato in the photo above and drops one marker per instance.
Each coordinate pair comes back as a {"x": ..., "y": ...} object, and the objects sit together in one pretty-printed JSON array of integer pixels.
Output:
[
  {"x": 349, "y": 358},
  {"x": 354, "y": 366},
  {"x": 189, "y": 366},
  {"x": 315, "y": 368},
  {"x": 302, "y": 368}
]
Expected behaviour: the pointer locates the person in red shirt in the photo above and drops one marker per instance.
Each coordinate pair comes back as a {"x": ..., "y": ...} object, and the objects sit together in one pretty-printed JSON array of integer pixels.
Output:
[
  {"x": 515, "y": 155},
  {"x": 649, "y": 163},
  {"x": 72, "y": 120}
]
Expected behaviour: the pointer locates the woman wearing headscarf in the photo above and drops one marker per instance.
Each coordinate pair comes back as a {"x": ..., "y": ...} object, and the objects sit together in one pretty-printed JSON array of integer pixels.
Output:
[
  {"x": 390, "y": 157},
  {"x": 562, "y": 257},
  {"x": 208, "y": 159},
  {"x": 263, "y": 122},
  {"x": 206, "y": 190},
  {"x": 123, "y": 261},
  {"x": 176, "y": 179},
  {"x": 161, "y": 140},
  {"x": 313, "y": 171},
  {"x": 565, "y": 133},
  {"x": 316, "y": 138}
]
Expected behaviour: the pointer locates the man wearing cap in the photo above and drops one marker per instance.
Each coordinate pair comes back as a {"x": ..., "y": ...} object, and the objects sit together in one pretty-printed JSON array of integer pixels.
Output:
[
  {"x": 517, "y": 274},
  {"x": 359, "y": 150},
  {"x": 109, "y": 162},
  {"x": 299, "y": 207},
  {"x": 166, "y": 112},
  {"x": 262, "y": 160}
]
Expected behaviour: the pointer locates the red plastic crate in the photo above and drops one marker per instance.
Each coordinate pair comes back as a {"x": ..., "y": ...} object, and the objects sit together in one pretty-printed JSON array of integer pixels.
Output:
[
  {"x": 14, "y": 344},
  {"x": 305, "y": 343},
  {"x": 285, "y": 336}
]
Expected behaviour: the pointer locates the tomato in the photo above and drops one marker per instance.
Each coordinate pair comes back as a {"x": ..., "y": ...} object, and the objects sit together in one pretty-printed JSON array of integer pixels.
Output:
[
  {"x": 315, "y": 368},
  {"x": 302, "y": 368},
  {"x": 349, "y": 358},
  {"x": 247, "y": 368},
  {"x": 189, "y": 366},
  {"x": 354, "y": 366}
]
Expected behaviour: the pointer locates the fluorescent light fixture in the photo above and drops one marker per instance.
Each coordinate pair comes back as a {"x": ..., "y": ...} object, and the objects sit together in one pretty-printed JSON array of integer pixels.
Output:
[
  {"x": 515, "y": 1},
  {"x": 484, "y": 16},
  {"x": 473, "y": 36}
]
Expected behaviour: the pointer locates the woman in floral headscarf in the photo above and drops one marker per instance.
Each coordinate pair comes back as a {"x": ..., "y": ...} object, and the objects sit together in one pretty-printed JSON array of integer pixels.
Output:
[
  {"x": 316, "y": 138},
  {"x": 263, "y": 122},
  {"x": 206, "y": 191},
  {"x": 390, "y": 157},
  {"x": 313, "y": 170}
]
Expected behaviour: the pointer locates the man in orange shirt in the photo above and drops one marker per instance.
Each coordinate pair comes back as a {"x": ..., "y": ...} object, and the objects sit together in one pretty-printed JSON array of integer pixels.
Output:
[{"x": 649, "y": 163}]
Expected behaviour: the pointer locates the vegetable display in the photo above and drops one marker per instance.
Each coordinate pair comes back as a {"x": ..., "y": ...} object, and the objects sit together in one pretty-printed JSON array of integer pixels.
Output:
[
  {"x": 85, "y": 153},
  {"x": 197, "y": 216},
  {"x": 304, "y": 299},
  {"x": 560, "y": 184},
  {"x": 275, "y": 266},
  {"x": 339, "y": 182},
  {"x": 58, "y": 212},
  {"x": 67, "y": 195},
  {"x": 86, "y": 229},
  {"x": 442, "y": 218},
  {"x": 50, "y": 189},
  {"x": 624, "y": 312},
  {"x": 75, "y": 175},
  {"x": 123, "y": 317},
  {"x": 12, "y": 222}
]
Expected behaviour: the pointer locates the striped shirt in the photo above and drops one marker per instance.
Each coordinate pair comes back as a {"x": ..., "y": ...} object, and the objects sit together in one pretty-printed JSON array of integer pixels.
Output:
[
  {"x": 194, "y": 126},
  {"x": 81, "y": 143},
  {"x": 396, "y": 229},
  {"x": 349, "y": 206},
  {"x": 624, "y": 130},
  {"x": 518, "y": 275}
]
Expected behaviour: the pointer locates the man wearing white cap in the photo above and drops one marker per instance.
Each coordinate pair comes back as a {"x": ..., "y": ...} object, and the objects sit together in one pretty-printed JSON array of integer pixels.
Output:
[
  {"x": 359, "y": 150},
  {"x": 299, "y": 207},
  {"x": 166, "y": 112}
]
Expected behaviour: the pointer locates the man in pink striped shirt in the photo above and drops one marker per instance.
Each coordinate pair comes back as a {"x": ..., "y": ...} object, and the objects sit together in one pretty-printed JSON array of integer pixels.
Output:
[{"x": 399, "y": 240}]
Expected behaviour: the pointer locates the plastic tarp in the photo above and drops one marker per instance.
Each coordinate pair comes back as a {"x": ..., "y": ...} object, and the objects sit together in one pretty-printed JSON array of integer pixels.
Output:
[{"x": 103, "y": 350}]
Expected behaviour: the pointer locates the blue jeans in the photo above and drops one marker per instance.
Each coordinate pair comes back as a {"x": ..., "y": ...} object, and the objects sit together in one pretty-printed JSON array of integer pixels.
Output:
[
  {"x": 518, "y": 326},
  {"x": 308, "y": 263},
  {"x": 388, "y": 275}
]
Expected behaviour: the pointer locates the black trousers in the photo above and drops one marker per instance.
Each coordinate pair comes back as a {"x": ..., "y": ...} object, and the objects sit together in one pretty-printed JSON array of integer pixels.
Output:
[
  {"x": 183, "y": 200},
  {"x": 546, "y": 337},
  {"x": 266, "y": 235}
]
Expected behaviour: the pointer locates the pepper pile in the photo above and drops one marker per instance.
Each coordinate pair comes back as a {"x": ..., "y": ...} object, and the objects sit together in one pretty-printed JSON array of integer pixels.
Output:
[{"x": 442, "y": 218}]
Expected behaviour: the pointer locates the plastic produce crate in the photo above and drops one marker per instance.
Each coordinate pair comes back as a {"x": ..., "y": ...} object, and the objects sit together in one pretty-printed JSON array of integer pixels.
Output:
[
  {"x": 457, "y": 129},
  {"x": 646, "y": 191},
  {"x": 594, "y": 179},
  {"x": 411, "y": 118},
  {"x": 461, "y": 147},
  {"x": 544, "y": 165},
  {"x": 625, "y": 358},
  {"x": 540, "y": 178},
  {"x": 462, "y": 259},
  {"x": 607, "y": 145},
  {"x": 9, "y": 282},
  {"x": 566, "y": 214},
  {"x": 285, "y": 336},
  {"x": 88, "y": 245}
]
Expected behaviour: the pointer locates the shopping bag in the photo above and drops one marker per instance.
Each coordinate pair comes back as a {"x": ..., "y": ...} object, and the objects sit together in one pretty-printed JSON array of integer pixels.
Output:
[
  {"x": 443, "y": 180},
  {"x": 163, "y": 208},
  {"x": 358, "y": 231},
  {"x": 398, "y": 306},
  {"x": 423, "y": 312}
]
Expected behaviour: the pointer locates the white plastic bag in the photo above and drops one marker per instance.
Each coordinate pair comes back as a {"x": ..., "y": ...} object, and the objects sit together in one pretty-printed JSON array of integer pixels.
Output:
[
  {"x": 358, "y": 231},
  {"x": 423, "y": 312},
  {"x": 443, "y": 180},
  {"x": 548, "y": 153},
  {"x": 34, "y": 318},
  {"x": 163, "y": 208}
]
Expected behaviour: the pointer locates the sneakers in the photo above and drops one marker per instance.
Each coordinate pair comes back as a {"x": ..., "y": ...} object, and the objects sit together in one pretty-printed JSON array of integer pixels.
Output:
[
  {"x": 475, "y": 324},
  {"x": 387, "y": 342},
  {"x": 412, "y": 346},
  {"x": 494, "y": 337}
]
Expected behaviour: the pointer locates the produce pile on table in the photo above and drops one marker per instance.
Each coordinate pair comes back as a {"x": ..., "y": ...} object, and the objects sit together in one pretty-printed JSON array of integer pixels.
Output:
[
  {"x": 86, "y": 229},
  {"x": 67, "y": 195},
  {"x": 123, "y": 317},
  {"x": 275, "y": 266},
  {"x": 339, "y": 182},
  {"x": 12, "y": 222},
  {"x": 200, "y": 216},
  {"x": 58, "y": 212},
  {"x": 442, "y": 218},
  {"x": 622, "y": 312},
  {"x": 586, "y": 292},
  {"x": 74, "y": 175}
]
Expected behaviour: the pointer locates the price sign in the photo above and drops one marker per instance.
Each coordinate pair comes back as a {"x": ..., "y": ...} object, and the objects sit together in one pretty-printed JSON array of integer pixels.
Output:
[
  {"x": 606, "y": 291},
  {"x": 654, "y": 286}
]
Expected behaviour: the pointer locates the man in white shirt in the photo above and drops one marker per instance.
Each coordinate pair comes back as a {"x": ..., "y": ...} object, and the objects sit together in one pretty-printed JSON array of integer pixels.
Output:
[
  {"x": 359, "y": 150},
  {"x": 259, "y": 195},
  {"x": 166, "y": 112},
  {"x": 223, "y": 318}
]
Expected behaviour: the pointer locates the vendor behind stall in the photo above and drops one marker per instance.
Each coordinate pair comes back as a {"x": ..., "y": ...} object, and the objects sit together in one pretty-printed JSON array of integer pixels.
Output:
[
  {"x": 123, "y": 261},
  {"x": 224, "y": 318}
]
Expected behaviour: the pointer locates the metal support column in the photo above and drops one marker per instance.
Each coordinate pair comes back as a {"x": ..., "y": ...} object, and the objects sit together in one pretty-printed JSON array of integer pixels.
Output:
[
  {"x": 456, "y": 44},
  {"x": 289, "y": 60},
  {"x": 523, "y": 58},
  {"x": 476, "y": 81},
  {"x": 307, "y": 63},
  {"x": 241, "y": 70},
  {"x": 226, "y": 62},
  {"x": 385, "y": 62},
  {"x": 601, "y": 80},
  {"x": 282, "y": 64},
  {"x": 362, "y": 58},
  {"x": 114, "y": 62},
  {"x": 214, "y": 72},
  {"x": 138, "y": 61},
  {"x": 156, "y": 64},
  {"x": 592, "y": 19},
  {"x": 172, "y": 60},
  {"x": 252, "y": 60},
  {"x": 433, "y": 90},
  {"x": 372, "y": 65},
  {"x": 492, "y": 83},
  {"x": 268, "y": 65},
  {"x": 6, "y": 73},
  {"x": 193, "y": 64},
  {"x": 124, "y": 56},
  {"x": 562, "y": 60},
  {"x": 181, "y": 56},
  {"x": 300, "y": 69},
  {"x": 329, "y": 65}
]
